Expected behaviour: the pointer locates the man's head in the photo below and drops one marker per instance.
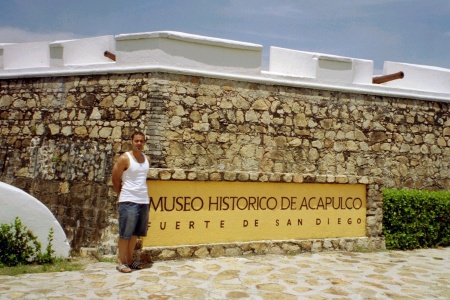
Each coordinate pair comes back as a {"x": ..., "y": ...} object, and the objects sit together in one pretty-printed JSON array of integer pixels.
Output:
[
  {"x": 137, "y": 133},
  {"x": 137, "y": 141}
]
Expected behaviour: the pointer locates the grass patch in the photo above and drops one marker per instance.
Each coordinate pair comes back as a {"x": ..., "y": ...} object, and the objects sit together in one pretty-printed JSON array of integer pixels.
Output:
[
  {"x": 60, "y": 265},
  {"x": 75, "y": 263}
]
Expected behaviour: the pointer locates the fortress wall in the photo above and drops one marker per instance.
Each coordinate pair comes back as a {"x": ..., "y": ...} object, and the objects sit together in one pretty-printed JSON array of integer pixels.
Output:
[
  {"x": 61, "y": 127},
  {"x": 60, "y": 136}
]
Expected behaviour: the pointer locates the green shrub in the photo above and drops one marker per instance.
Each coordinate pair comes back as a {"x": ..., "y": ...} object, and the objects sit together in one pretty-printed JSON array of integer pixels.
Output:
[
  {"x": 19, "y": 246},
  {"x": 416, "y": 218}
]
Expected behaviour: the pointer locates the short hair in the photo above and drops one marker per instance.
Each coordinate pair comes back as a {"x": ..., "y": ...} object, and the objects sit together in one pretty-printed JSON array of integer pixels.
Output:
[{"x": 137, "y": 133}]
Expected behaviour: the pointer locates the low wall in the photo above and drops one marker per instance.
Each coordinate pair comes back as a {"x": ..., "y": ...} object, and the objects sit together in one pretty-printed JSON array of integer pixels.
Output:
[{"x": 371, "y": 239}]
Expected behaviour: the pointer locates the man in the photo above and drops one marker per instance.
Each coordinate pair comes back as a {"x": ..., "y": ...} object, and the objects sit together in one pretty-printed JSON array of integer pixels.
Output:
[{"x": 129, "y": 178}]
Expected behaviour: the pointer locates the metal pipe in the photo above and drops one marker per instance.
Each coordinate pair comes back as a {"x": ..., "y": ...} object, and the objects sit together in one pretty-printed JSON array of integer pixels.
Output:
[
  {"x": 388, "y": 77},
  {"x": 110, "y": 55}
]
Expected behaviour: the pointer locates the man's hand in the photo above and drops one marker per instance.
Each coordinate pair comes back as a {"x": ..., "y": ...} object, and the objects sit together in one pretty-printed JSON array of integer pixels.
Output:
[{"x": 120, "y": 166}]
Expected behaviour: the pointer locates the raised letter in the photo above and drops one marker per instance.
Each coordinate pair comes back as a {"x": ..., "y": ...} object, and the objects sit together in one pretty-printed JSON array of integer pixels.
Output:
[
  {"x": 320, "y": 204},
  {"x": 166, "y": 202},
  {"x": 359, "y": 201},
  {"x": 276, "y": 203},
  {"x": 240, "y": 207},
  {"x": 159, "y": 204},
  {"x": 283, "y": 205},
  {"x": 328, "y": 201},
  {"x": 187, "y": 204},
  {"x": 304, "y": 203},
  {"x": 211, "y": 203},
  {"x": 252, "y": 202},
  {"x": 346, "y": 200},
  {"x": 309, "y": 202},
  {"x": 293, "y": 202},
  {"x": 197, "y": 207}
]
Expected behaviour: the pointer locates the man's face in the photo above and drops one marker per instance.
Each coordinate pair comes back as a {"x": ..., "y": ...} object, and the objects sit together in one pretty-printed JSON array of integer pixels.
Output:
[{"x": 137, "y": 143}]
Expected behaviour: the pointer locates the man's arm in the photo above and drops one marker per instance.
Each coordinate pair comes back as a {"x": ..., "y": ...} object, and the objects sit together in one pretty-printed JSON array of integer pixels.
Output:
[{"x": 117, "y": 171}]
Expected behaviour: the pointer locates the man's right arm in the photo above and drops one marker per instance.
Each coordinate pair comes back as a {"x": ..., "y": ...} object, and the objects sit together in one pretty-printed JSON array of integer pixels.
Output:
[{"x": 119, "y": 167}]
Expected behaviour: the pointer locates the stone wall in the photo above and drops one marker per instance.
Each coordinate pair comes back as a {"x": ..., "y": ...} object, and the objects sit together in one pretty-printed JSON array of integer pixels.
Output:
[{"x": 59, "y": 137}]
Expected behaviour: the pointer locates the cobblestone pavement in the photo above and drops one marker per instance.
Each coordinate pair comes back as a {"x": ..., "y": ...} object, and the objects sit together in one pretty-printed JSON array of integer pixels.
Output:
[{"x": 418, "y": 274}]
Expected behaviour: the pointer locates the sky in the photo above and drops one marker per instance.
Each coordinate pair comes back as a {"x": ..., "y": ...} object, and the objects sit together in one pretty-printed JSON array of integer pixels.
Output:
[{"x": 407, "y": 31}]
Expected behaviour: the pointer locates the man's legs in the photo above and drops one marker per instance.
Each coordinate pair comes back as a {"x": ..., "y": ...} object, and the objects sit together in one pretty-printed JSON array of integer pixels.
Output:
[
  {"x": 128, "y": 218},
  {"x": 133, "y": 219},
  {"x": 126, "y": 252},
  {"x": 130, "y": 252},
  {"x": 123, "y": 251}
]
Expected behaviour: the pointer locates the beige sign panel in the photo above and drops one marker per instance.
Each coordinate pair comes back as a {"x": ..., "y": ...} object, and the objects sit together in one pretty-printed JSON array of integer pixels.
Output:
[{"x": 197, "y": 212}]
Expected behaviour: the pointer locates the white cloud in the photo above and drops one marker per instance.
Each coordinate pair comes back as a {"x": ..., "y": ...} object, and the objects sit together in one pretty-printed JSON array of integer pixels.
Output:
[{"x": 16, "y": 35}]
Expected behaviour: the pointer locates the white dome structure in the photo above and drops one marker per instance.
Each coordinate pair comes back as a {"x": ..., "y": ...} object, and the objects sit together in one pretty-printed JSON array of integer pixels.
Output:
[{"x": 34, "y": 215}]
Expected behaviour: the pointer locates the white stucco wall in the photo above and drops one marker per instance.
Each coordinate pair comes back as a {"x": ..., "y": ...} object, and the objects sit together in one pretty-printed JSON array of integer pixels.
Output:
[
  {"x": 319, "y": 66},
  {"x": 26, "y": 55},
  {"x": 183, "y": 50},
  {"x": 178, "y": 52},
  {"x": 34, "y": 215},
  {"x": 292, "y": 62},
  {"x": 419, "y": 77},
  {"x": 88, "y": 51}
]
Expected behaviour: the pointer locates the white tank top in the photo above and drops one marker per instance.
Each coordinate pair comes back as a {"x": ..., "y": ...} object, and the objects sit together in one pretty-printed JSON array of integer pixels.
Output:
[{"x": 134, "y": 182}]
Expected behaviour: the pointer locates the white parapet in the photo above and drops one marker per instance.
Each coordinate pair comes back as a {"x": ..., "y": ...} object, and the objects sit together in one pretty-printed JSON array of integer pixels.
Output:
[
  {"x": 418, "y": 77},
  {"x": 26, "y": 55},
  {"x": 362, "y": 71},
  {"x": 87, "y": 51},
  {"x": 320, "y": 66},
  {"x": 2, "y": 45},
  {"x": 178, "y": 52},
  {"x": 188, "y": 51}
]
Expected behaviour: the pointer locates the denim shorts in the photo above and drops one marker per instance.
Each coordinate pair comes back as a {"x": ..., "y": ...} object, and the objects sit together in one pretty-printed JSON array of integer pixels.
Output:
[{"x": 133, "y": 219}]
